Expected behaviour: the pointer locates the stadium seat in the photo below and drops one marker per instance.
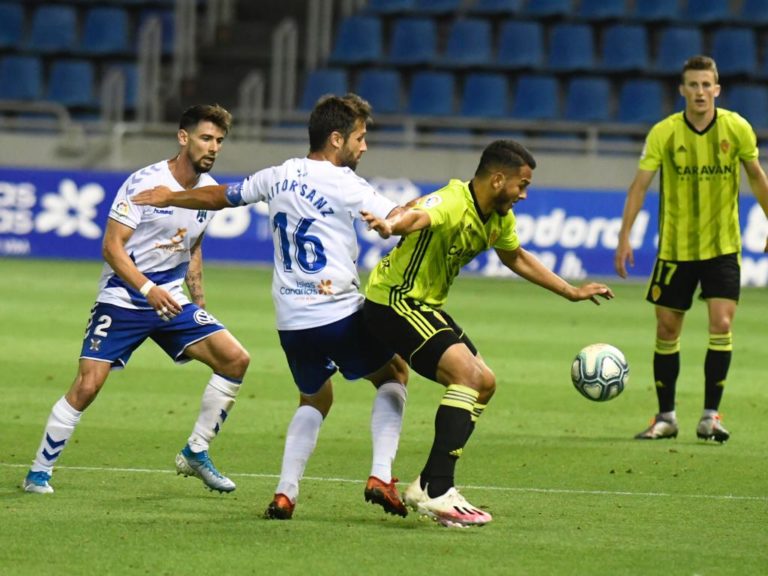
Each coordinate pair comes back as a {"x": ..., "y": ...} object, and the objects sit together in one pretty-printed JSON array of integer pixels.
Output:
[
  {"x": 708, "y": 11},
  {"x": 485, "y": 95},
  {"x": 496, "y": 7},
  {"x": 11, "y": 25},
  {"x": 521, "y": 45},
  {"x": 321, "y": 82},
  {"x": 431, "y": 94},
  {"x": 754, "y": 13},
  {"x": 571, "y": 48},
  {"x": 53, "y": 29},
  {"x": 750, "y": 101},
  {"x": 131, "y": 77},
  {"x": 21, "y": 78},
  {"x": 437, "y": 7},
  {"x": 382, "y": 88},
  {"x": 625, "y": 48},
  {"x": 677, "y": 44},
  {"x": 358, "y": 41},
  {"x": 469, "y": 43},
  {"x": 71, "y": 83},
  {"x": 414, "y": 42},
  {"x": 537, "y": 97},
  {"x": 641, "y": 101},
  {"x": 548, "y": 8},
  {"x": 391, "y": 6},
  {"x": 588, "y": 99},
  {"x": 657, "y": 10},
  {"x": 735, "y": 51},
  {"x": 602, "y": 10},
  {"x": 105, "y": 32},
  {"x": 167, "y": 26}
]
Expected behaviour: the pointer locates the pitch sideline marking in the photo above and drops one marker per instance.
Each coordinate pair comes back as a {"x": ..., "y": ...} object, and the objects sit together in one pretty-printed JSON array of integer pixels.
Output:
[{"x": 470, "y": 486}]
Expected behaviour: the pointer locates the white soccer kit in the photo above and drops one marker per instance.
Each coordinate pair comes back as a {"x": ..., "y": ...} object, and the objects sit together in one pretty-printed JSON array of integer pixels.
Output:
[
  {"x": 161, "y": 242},
  {"x": 313, "y": 205}
]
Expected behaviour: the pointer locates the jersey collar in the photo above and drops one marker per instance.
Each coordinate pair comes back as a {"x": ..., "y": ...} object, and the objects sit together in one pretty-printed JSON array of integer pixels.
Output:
[
  {"x": 706, "y": 129},
  {"x": 483, "y": 219}
]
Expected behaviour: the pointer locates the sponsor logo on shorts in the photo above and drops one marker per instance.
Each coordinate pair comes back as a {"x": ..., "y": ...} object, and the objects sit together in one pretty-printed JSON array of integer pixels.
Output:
[{"x": 203, "y": 318}]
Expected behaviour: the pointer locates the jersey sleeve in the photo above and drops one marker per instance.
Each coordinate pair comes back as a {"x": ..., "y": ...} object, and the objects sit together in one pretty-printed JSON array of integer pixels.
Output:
[
  {"x": 438, "y": 205},
  {"x": 747, "y": 140},
  {"x": 366, "y": 197},
  {"x": 651, "y": 156},
  {"x": 254, "y": 188},
  {"x": 508, "y": 238},
  {"x": 124, "y": 211}
]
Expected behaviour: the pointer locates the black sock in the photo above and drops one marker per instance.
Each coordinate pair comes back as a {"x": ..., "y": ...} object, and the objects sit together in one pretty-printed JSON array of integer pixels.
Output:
[
  {"x": 666, "y": 368},
  {"x": 716, "y": 366},
  {"x": 452, "y": 427}
]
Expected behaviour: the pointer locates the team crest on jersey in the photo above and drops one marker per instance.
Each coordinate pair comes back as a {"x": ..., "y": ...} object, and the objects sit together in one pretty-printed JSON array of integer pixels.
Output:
[
  {"x": 725, "y": 146},
  {"x": 174, "y": 244},
  {"x": 655, "y": 292},
  {"x": 203, "y": 318},
  {"x": 325, "y": 287},
  {"x": 432, "y": 200}
]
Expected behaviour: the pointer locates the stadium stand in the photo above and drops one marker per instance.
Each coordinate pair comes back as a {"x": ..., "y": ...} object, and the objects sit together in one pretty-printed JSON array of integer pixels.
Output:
[
  {"x": 21, "y": 78},
  {"x": 657, "y": 11},
  {"x": 11, "y": 25},
  {"x": 753, "y": 13},
  {"x": 432, "y": 94},
  {"x": 323, "y": 81},
  {"x": 536, "y": 97},
  {"x": 571, "y": 48},
  {"x": 496, "y": 7},
  {"x": 382, "y": 88},
  {"x": 358, "y": 41},
  {"x": 588, "y": 99},
  {"x": 548, "y": 9},
  {"x": 469, "y": 43},
  {"x": 641, "y": 101},
  {"x": 735, "y": 51},
  {"x": 625, "y": 49},
  {"x": 521, "y": 45},
  {"x": 749, "y": 100},
  {"x": 414, "y": 42},
  {"x": 676, "y": 44},
  {"x": 602, "y": 10},
  {"x": 708, "y": 11},
  {"x": 54, "y": 29},
  {"x": 485, "y": 95},
  {"x": 71, "y": 83},
  {"x": 105, "y": 32}
]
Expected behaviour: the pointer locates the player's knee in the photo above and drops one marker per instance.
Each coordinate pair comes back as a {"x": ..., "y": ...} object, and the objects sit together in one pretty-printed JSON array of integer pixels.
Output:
[{"x": 241, "y": 362}]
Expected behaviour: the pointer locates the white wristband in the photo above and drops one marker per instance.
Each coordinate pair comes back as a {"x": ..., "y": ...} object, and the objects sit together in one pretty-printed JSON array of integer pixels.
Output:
[{"x": 148, "y": 285}]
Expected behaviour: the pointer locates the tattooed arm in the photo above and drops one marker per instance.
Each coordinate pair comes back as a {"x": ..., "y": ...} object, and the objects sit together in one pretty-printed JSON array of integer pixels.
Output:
[{"x": 194, "y": 279}]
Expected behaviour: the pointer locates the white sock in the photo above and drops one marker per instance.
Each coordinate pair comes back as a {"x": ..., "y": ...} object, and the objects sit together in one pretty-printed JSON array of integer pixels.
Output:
[
  {"x": 669, "y": 416},
  {"x": 386, "y": 423},
  {"x": 58, "y": 430},
  {"x": 218, "y": 399},
  {"x": 709, "y": 414},
  {"x": 300, "y": 442}
]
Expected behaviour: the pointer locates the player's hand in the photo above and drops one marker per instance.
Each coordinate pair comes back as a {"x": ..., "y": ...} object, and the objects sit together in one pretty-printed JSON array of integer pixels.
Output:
[
  {"x": 159, "y": 196},
  {"x": 591, "y": 292},
  {"x": 165, "y": 306},
  {"x": 623, "y": 255},
  {"x": 380, "y": 225}
]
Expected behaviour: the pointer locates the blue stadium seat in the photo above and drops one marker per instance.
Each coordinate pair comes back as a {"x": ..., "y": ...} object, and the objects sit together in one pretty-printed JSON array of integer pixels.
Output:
[
  {"x": 537, "y": 97},
  {"x": 105, "y": 32},
  {"x": 521, "y": 45},
  {"x": 414, "y": 42},
  {"x": 131, "y": 77},
  {"x": 708, "y": 11},
  {"x": 431, "y": 94},
  {"x": 571, "y": 48},
  {"x": 602, "y": 10},
  {"x": 548, "y": 8},
  {"x": 11, "y": 25},
  {"x": 21, "y": 78},
  {"x": 496, "y": 7},
  {"x": 754, "y": 12},
  {"x": 71, "y": 83},
  {"x": 641, "y": 101},
  {"x": 321, "y": 82},
  {"x": 625, "y": 48},
  {"x": 750, "y": 101},
  {"x": 382, "y": 88},
  {"x": 391, "y": 6},
  {"x": 588, "y": 99},
  {"x": 358, "y": 41},
  {"x": 657, "y": 10},
  {"x": 735, "y": 51},
  {"x": 437, "y": 7},
  {"x": 167, "y": 26},
  {"x": 676, "y": 44},
  {"x": 469, "y": 43},
  {"x": 485, "y": 95},
  {"x": 53, "y": 29}
]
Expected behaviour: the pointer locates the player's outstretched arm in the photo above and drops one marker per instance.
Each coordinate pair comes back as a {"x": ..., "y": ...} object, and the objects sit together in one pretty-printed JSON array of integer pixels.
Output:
[
  {"x": 399, "y": 223},
  {"x": 527, "y": 266},
  {"x": 204, "y": 198}
]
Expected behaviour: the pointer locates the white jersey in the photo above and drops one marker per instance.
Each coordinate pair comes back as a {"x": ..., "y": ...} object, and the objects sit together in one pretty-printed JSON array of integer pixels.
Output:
[
  {"x": 161, "y": 241},
  {"x": 313, "y": 205}
]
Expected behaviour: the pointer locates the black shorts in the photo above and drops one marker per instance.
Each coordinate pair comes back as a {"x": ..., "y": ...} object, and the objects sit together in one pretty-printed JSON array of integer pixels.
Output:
[
  {"x": 419, "y": 333},
  {"x": 673, "y": 284}
]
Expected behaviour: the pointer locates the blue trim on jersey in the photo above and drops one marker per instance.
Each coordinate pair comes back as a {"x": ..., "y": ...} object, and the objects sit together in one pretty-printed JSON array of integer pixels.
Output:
[
  {"x": 235, "y": 194},
  {"x": 161, "y": 277}
]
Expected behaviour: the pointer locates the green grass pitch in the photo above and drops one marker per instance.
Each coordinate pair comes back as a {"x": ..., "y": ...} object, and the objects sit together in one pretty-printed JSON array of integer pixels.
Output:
[{"x": 570, "y": 490}]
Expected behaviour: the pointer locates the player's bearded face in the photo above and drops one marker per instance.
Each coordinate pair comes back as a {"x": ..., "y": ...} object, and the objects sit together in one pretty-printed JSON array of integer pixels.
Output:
[
  {"x": 354, "y": 147},
  {"x": 510, "y": 188},
  {"x": 203, "y": 145}
]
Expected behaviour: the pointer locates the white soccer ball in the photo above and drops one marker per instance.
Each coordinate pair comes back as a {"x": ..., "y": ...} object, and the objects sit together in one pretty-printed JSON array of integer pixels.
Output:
[{"x": 600, "y": 372}]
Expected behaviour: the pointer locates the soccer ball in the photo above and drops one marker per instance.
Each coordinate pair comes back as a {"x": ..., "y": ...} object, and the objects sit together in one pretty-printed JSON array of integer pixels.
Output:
[{"x": 600, "y": 372}]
